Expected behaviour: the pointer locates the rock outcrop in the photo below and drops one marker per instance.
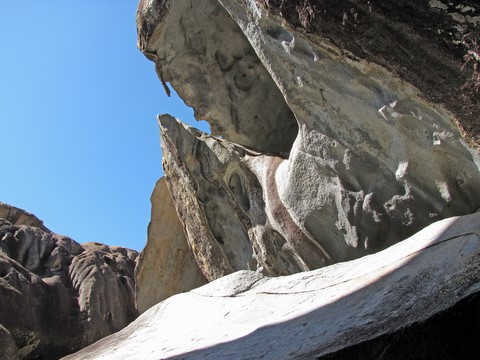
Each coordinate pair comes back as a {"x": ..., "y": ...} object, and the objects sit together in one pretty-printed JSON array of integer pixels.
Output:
[
  {"x": 166, "y": 265},
  {"x": 18, "y": 216},
  {"x": 339, "y": 129},
  {"x": 417, "y": 299},
  {"x": 57, "y": 295},
  {"x": 326, "y": 145}
]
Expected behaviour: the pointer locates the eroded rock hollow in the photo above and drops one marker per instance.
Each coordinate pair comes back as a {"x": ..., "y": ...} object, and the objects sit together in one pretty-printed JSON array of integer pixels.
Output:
[{"x": 319, "y": 152}]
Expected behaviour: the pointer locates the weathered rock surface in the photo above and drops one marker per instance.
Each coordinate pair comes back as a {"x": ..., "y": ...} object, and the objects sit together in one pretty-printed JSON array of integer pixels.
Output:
[
  {"x": 166, "y": 266},
  {"x": 8, "y": 348},
  {"x": 375, "y": 159},
  {"x": 372, "y": 304},
  {"x": 339, "y": 129},
  {"x": 57, "y": 295},
  {"x": 225, "y": 195},
  {"x": 198, "y": 45},
  {"x": 432, "y": 44},
  {"x": 19, "y": 216}
]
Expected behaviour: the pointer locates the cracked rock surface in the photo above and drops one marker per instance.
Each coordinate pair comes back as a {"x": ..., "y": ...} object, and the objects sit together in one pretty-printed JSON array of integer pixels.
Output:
[
  {"x": 58, "y": 296},
  {"x": 345, "y": 158},
  {"x": 374, "y": 302}
]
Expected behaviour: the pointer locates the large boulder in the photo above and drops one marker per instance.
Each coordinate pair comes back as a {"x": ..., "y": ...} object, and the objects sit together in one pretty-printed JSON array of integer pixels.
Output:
[
  {"x": 321, "y": 152},
  {"x": 57, "y": 295},
  {"x": 418, "y": 299}
]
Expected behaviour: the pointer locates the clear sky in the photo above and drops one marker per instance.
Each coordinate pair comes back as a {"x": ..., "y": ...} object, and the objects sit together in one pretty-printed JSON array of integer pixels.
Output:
[{"x": 80, "y": 145}]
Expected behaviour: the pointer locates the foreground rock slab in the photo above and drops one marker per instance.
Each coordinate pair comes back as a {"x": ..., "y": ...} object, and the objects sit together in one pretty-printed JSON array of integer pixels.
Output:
[{"x": 315, "y": 314}]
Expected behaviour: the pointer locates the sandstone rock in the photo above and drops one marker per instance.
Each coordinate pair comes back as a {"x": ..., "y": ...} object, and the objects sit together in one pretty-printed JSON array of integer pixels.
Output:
[
  {"x": 19, "y": 216},
  {"x": 225, "y": 195},
  {"x": 57, "y": 295},
  {"x": 8, "y": 348},
  {"x": 431, "y": 44},
  {"x": 374, "y": 161},
  {"x": 103, "y": 278},
  {"x": 393, "y": 162},
  {"x": 201, "y": 52},
  {"x": 316, "y": 314},
  {"x": 166, "y": 266}
]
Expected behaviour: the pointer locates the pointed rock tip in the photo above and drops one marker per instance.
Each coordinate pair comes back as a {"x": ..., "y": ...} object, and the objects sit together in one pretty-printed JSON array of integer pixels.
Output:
[
  {"x": 170, "y": 123},
  {"x": 166, "y": 120}
]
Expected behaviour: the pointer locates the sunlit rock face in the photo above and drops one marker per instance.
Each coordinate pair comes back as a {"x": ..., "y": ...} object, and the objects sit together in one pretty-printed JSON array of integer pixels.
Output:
[
  {"x": 226, "y": 196},
  {"x": 344, "y": 159},
  {"x": 58, "y": 296},
  {"x": 166, "y": 266},
  {"x": 201, "y": 52}
]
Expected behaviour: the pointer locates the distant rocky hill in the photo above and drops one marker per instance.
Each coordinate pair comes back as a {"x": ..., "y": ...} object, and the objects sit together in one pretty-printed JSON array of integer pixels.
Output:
[{"x": 58, "y": 296}]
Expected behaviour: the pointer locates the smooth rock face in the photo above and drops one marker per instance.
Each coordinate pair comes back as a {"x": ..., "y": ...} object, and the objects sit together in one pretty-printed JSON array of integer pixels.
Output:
[
  {"x": 224, "y": 194},
  {"x": 373, "y": 162},
  {"x": 202, "y": 53},
  {"x": 57, "y": 295},
  {"x": 318, "y": 313},
  {"x": 166, "y": 266},
  {"x": 451, "y": 334}
]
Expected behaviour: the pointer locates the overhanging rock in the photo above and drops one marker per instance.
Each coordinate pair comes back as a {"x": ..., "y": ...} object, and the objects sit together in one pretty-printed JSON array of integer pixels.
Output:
[{"x": 357, "y": 157}]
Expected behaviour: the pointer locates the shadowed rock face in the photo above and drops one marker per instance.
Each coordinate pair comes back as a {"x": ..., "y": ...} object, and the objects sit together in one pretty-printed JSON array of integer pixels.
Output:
[
  {"x": 57, "y": 295},
  {"x": 374, "y": 160},
  {"x": 8, "y": 348}
]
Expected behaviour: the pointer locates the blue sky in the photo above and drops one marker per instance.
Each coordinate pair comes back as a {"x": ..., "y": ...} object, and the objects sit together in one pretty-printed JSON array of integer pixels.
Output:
[{"x": 80, "y": 142}]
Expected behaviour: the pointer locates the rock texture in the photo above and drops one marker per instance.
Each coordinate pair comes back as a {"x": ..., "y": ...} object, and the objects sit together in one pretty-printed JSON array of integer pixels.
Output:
[
  {"x": 225, "y": 195},
  {"x": 8, "y": 348},
  {"x": 339, "y": 129},
  {"x": 166, "y": 266},
  {"x": 198, "y": 45},
  {"x": 18, "y": 216},
  {"x": 360, "y": 304},
  {"x": 57, "y": 295},
  {"x": 432, "y": 44},
  {"x": 321, "y": 153}
]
